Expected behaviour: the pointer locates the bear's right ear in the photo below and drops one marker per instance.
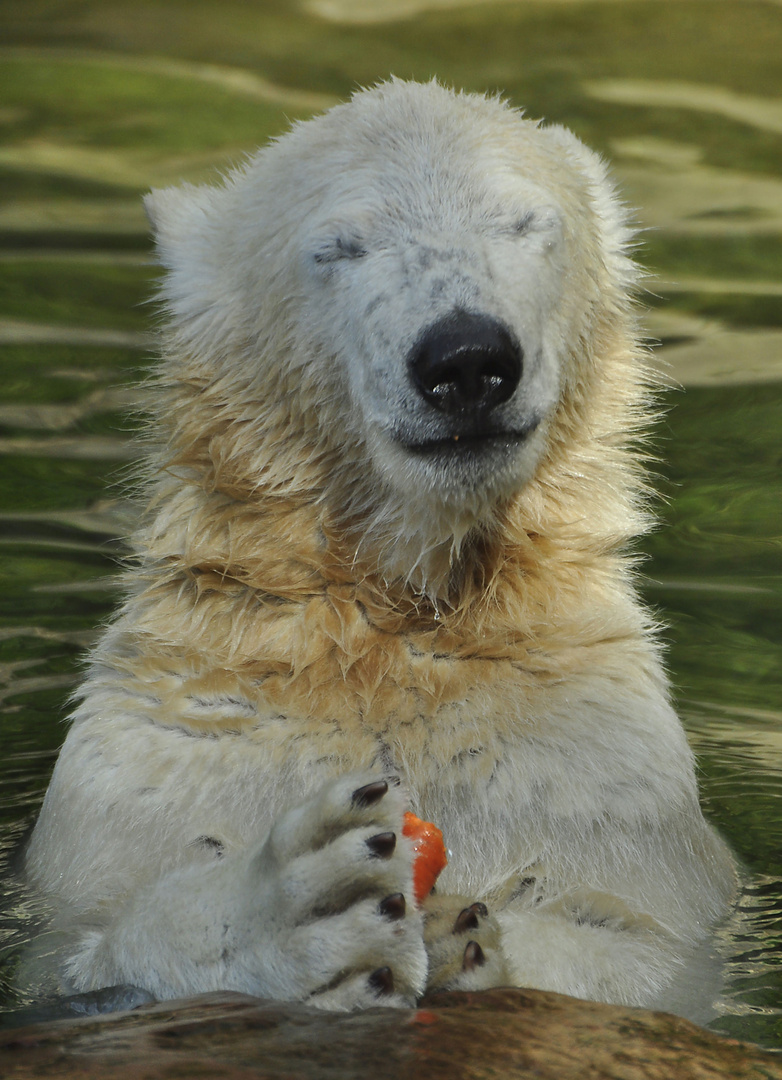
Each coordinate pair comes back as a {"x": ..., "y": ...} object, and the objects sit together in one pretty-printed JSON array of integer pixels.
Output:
[
  {"x": 178, "y": 216},
  {"x": 188, "y": 247}
]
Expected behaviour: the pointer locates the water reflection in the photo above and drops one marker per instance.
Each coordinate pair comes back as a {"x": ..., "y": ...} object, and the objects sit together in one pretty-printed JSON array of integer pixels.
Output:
[{"x": 98, "y": 104}]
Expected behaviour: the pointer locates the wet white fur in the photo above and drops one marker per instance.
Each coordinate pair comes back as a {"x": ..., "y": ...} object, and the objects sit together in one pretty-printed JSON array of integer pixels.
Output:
[{"x": 529, "y": 716}]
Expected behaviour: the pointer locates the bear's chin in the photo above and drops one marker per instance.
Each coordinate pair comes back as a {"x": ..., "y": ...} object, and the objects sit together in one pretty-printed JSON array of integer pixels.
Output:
[{"x": 424, "y": 507}]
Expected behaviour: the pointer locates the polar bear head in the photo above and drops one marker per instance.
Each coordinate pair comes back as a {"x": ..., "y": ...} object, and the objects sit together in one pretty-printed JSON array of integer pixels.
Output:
[{"x": 415, "y": 289}]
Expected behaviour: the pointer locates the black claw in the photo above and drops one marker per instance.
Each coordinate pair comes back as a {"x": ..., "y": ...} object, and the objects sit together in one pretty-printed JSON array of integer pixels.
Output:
[
  {"x": 382, "y": 846},
  {"x": 369, "y": 794},
  {"x": 393, "y": 907},
  {"x": 474, "y": 956},
  {"x": 467, "y": 919},
  {"x": 382, "y": 981}
]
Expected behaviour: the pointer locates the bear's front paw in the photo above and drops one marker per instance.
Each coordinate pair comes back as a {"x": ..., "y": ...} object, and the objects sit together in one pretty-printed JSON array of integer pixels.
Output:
[
  {"x": 339, "y": 921},
  {"x": 464, "y": 945}
]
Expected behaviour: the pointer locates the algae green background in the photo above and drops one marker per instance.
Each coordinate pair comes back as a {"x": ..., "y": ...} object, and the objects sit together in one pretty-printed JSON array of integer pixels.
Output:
[{"x": 101, "y": 99}]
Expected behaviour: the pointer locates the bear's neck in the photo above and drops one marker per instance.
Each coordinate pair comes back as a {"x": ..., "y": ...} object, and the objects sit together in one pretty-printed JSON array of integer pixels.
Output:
[{"x": 525, "y": 573}]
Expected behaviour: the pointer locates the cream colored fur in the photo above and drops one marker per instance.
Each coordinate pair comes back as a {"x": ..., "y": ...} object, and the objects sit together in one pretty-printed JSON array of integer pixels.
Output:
[{"x": 315, "y": 606}]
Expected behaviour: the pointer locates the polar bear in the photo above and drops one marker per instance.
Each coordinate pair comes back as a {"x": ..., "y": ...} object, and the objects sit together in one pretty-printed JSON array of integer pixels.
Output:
[{"x": 392, "y": 477}]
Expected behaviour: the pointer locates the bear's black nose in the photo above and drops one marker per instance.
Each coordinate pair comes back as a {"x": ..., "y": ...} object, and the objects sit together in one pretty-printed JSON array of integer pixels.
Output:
[{"x": 466, "y": 362}]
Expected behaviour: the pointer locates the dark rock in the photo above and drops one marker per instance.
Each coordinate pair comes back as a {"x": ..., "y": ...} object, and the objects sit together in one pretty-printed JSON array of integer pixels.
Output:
[{"x": 496, "y": 1034}]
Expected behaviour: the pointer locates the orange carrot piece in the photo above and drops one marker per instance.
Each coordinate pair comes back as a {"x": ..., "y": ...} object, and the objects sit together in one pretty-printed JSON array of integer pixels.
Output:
[{"x": 430, "y": 857}]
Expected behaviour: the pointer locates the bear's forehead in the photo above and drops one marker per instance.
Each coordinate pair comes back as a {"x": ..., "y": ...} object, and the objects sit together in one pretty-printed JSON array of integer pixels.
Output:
[
  {"x": 419, "y": 129},
  {"x": 403, "y": 155},
  {"x": 421, "y": 171},
  {"x": 414, "y": 148}
]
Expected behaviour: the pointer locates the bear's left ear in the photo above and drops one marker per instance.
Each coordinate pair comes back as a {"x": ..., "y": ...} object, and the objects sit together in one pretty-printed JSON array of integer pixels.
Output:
[{"x": 617, "y": 230}]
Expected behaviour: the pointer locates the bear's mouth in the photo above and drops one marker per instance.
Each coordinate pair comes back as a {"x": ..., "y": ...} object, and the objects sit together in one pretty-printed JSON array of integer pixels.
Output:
[{"x": 464, "y": 442}]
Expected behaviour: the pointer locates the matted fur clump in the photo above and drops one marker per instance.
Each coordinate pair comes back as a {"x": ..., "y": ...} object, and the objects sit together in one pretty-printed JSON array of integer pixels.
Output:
[{"x": 384, "y": 566}]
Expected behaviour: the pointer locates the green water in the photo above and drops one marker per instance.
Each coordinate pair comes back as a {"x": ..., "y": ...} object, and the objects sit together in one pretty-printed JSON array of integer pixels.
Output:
[{"x": 99, "y": 101}]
